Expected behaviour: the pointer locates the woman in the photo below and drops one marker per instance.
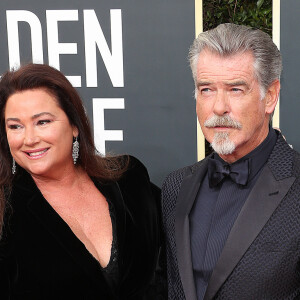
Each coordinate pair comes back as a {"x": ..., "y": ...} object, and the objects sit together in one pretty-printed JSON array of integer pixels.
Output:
[{"x": 74, "y": 225}]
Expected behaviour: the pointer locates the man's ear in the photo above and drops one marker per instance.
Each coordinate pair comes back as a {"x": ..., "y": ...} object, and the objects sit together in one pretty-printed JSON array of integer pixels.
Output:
[{"x": 272, "y": 96}]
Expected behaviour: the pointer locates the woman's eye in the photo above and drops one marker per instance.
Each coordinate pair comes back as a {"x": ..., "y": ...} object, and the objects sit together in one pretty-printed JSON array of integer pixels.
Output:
[
  {"x": 14, "y": 126},
  {"x": 43, "y": 122}
]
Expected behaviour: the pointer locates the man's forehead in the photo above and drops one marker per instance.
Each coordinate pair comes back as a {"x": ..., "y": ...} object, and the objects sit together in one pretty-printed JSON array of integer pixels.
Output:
[
  {"x": 225, "y": 55},
  {"x": 210, "y": 63}
]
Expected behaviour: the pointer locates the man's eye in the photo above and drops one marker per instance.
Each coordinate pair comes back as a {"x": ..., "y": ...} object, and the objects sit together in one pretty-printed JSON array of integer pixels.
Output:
[
  {"x": 236, "y": 90},
  {"x": 43, "y": 122},
  {"x": 205, "y": 90}
]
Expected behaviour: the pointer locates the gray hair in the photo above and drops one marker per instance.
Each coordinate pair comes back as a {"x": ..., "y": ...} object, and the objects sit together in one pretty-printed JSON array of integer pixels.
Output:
[{"x": 229, "y": 39}]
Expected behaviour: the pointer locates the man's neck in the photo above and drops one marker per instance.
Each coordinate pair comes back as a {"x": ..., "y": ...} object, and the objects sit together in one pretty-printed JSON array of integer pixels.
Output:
[{"x": 241, "y": 151}]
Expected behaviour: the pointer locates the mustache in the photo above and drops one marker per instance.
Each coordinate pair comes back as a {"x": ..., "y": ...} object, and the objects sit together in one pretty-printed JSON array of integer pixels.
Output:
[{"x": 225, "y": 121}]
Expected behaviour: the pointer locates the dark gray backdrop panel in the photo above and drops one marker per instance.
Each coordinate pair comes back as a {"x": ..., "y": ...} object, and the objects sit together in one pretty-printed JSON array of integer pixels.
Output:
[
  {"x": 159, "y": 120},
  {"x": 290, "y": 79}
]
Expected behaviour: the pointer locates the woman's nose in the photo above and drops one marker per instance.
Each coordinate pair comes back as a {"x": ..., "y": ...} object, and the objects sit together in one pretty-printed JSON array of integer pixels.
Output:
[{"x": 31, "y": 138}]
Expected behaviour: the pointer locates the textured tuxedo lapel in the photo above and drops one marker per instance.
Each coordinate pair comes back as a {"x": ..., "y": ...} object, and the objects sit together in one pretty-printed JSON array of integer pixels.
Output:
[
  {"x": 261, "y": 203},
  {"x": 186, "y": 197}
]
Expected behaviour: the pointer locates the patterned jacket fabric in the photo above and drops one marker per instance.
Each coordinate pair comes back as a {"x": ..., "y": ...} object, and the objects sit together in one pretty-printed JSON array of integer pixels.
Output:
[{"x": 270, "y": 267}]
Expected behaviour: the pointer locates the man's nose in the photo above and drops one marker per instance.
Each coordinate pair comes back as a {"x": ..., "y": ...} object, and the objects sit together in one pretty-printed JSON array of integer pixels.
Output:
[
  {"x": 221, "y": 104},
  {"x": 31, "y": 138}
]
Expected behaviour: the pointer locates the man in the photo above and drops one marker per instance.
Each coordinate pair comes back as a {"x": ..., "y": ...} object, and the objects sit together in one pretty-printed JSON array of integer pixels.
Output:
[{"x": 232, "y": 220}]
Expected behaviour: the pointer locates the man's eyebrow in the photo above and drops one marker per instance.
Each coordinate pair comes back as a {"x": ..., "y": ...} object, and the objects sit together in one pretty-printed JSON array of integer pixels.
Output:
[
  {"x": 238, "y": 82},
  {"x": 202, "y": 83}
]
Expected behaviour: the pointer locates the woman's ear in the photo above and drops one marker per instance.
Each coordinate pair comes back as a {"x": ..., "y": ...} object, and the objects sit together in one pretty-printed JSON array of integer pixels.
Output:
[{"x": 75, "y": 131}]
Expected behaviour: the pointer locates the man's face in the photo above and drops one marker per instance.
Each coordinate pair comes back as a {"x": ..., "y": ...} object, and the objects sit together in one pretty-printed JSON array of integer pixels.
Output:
[{"x": 232, "y": 115}]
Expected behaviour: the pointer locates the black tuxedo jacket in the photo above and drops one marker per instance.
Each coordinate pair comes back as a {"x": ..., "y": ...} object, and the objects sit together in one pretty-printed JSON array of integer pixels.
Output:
[
  {"x": 41, "y": 258},
  {"x": 261, "y": 257}
]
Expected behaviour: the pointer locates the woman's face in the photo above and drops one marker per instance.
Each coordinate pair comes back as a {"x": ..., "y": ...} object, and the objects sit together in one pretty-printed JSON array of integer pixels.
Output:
[{"x": 39, "y": 133}]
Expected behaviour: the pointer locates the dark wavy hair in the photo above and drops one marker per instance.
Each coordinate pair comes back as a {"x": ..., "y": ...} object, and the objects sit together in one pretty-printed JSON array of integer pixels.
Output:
[{"x": 41, "y": 76}]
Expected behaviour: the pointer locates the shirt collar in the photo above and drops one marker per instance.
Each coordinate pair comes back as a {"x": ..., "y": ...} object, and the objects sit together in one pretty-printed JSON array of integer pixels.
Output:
[{"x": 259, "y": 156}]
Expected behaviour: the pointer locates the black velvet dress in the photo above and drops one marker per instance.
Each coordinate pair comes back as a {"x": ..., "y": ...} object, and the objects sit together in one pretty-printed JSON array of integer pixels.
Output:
[{"x": 41, "y": 258}]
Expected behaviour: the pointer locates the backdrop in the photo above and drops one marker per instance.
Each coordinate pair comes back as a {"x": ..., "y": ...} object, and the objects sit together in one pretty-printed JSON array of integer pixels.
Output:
[
  {"x": 290, "y": 92},
  {"x": 128, "y": 60}
]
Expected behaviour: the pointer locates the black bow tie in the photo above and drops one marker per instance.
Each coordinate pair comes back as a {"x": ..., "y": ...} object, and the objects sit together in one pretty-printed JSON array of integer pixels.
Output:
[{"x": 217, "y": 171}]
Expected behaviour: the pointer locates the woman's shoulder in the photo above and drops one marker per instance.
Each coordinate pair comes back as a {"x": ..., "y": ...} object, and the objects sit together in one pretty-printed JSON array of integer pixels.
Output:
[
  {"x": 135, "y": 169},
  {"x": 135, "y": 182}
]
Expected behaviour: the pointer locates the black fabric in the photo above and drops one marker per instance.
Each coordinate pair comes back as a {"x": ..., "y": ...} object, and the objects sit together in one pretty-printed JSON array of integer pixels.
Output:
[
  {"x": 269, "y": 268},
  {"x": 216, "y": 208},
  {"x": 41, "y": 258},
  {"x": 170, "y": 190},
  {"x": 111, "y": 271},
  {"x": 211, "y": 220},
  {"x": 217, "y": 171}
]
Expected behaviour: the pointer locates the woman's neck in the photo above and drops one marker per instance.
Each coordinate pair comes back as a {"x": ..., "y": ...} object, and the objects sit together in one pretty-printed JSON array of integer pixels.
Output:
[{"x": 67, "y": 182}]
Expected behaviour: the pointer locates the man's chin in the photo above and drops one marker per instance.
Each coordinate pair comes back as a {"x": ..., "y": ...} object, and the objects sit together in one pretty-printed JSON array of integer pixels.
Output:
[{"x": 223, "y": 146}]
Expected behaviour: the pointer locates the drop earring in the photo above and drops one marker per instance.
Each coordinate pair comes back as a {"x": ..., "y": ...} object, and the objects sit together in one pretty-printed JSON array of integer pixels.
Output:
[
  {"x": 13, "y": 169},
  {"x": 75, "y": 150}
]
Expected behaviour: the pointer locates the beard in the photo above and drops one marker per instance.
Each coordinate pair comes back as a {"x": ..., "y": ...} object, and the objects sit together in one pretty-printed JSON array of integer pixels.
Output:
[{"x": 221, "y": 142}]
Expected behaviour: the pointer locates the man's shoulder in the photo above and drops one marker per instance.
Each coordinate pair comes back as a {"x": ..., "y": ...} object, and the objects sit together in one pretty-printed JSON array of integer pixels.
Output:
[
  {"x": 284, "y": 161},
  {"x": 180, "y": 173},
  {"x": 173, "y": 181},
  {"x": 175, "y": 177},
  {"x": 296, "y": 163}
]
